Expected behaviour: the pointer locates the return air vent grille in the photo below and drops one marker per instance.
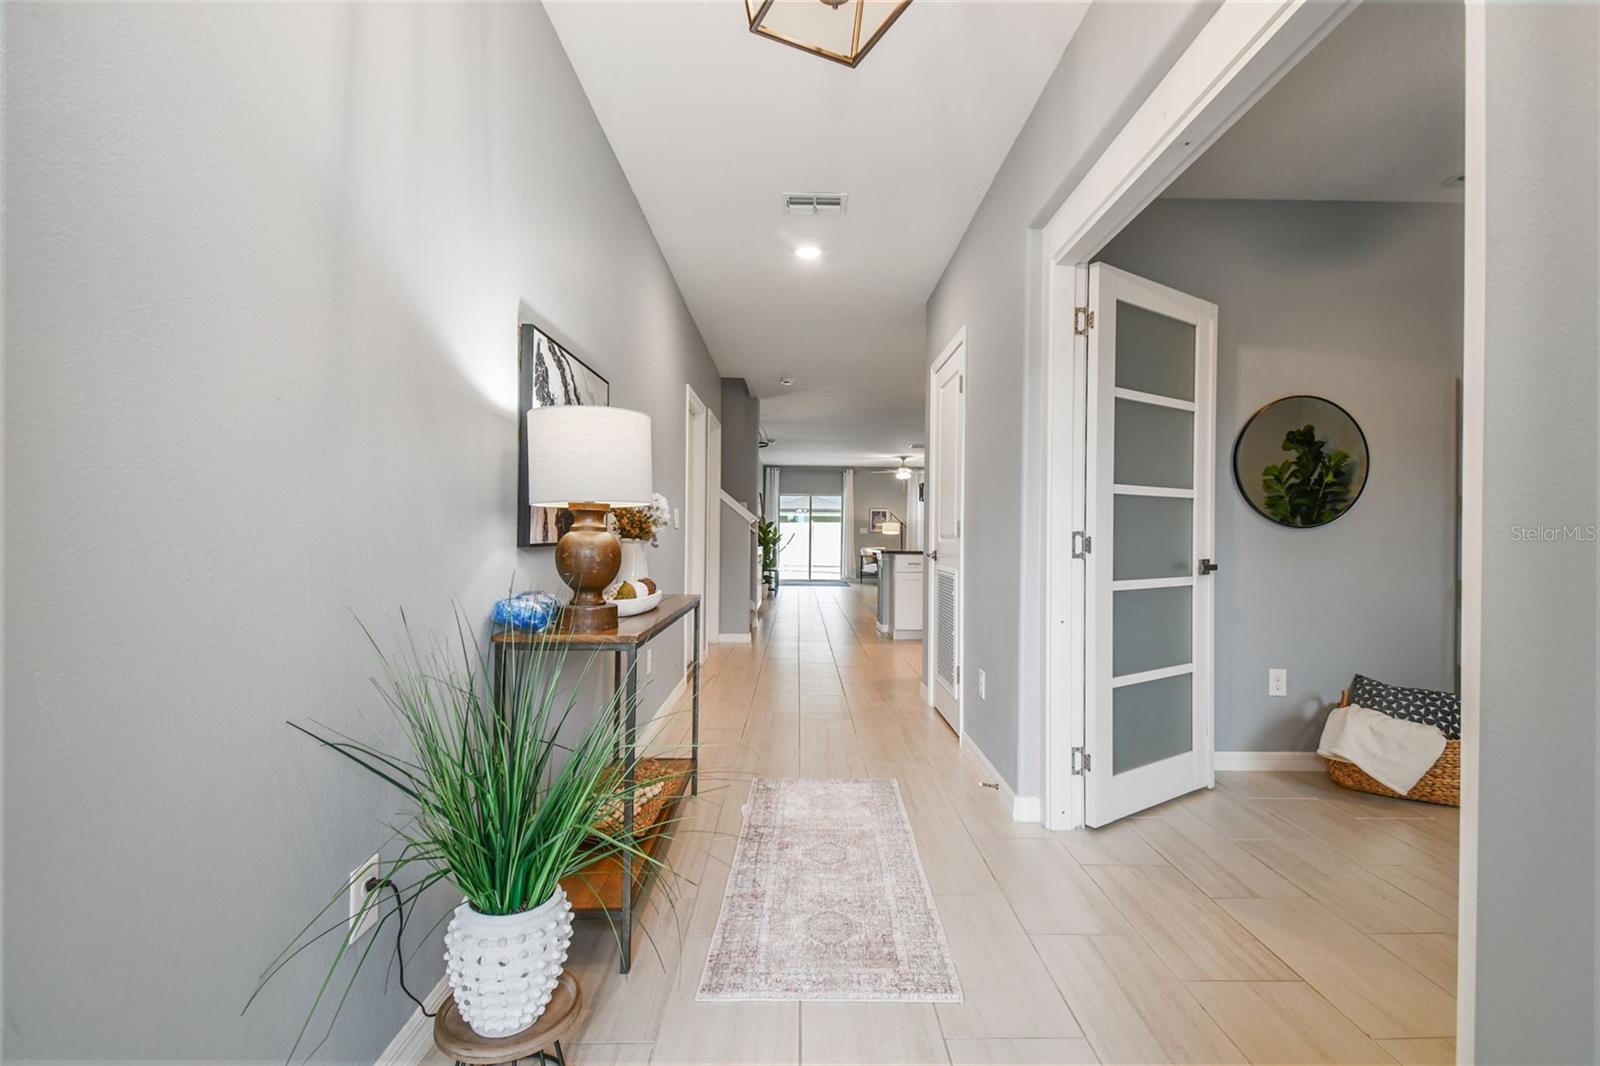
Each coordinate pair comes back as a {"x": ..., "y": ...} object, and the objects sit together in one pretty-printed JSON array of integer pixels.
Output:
[
  {"x": 945, "y": 612},
  {"x": 815, "y": 203}
]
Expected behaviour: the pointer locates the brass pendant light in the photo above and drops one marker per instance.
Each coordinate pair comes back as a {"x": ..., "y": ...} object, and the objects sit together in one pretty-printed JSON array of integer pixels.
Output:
[{"x": 841, "y": 30}]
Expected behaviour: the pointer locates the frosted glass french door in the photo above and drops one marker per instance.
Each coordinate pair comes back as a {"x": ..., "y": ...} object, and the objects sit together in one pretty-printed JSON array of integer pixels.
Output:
[{"x": 1151, "y": 475}]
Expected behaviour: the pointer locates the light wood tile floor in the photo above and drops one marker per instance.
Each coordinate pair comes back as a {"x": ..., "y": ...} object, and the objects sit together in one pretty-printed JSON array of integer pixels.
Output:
[{"x": 1274, "y": 919}]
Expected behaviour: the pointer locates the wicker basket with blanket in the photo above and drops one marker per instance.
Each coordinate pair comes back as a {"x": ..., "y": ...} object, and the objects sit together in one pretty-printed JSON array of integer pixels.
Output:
[{"x": 1442, "y": 783}]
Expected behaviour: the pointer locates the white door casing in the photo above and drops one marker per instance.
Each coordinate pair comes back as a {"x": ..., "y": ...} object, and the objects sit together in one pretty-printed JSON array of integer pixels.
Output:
[
  {"x": 946, "y": 504},
  {"x": 1241, "y": 52},
  {"x": 695, "y": 539},
  {"x": 1150, "y": 495},
  {"x": 712, "y": 615}
]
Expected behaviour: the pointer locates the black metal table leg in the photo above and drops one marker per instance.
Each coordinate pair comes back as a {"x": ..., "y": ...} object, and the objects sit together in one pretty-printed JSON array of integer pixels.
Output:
[
  {"x": 694, "y": 715},
  {"x": 629, "y": 768}
]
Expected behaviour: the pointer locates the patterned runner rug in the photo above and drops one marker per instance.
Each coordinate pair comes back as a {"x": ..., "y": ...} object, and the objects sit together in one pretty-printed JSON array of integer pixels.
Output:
[{"x": 827, "y": 901}]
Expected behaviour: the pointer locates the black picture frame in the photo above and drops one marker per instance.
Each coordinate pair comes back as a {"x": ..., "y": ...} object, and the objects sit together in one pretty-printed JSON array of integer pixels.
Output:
[
  {"x": 1365, "y": 460},
  {"x": 547, "y": 374}
]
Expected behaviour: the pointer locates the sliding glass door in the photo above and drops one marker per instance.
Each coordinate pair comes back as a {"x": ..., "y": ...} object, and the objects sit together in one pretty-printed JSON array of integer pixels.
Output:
[{"x": 810, "y": 538}]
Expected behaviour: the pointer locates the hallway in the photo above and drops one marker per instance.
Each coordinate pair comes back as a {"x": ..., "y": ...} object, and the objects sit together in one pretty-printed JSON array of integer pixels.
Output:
[{"x": 1275, "y": 919}]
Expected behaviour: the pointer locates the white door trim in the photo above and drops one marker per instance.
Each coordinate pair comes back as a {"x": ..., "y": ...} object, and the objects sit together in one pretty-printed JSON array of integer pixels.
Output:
[
  {"x": 1240, "y": 54},
  {"x": 957, "y": 346},
  {"x": 694, "y": 507},
  {"x": 711, "y": 616},
  {"x": 1474, "y": 348}
]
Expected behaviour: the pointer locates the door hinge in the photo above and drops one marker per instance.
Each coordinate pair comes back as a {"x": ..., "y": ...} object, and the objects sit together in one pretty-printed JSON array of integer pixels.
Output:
[
  {"x": 1082, "y": 321},
  {"x": 961, "y": 383},
  {"x": 1082, "y": 544},
  {"x": 958, "y": 673},
  {"x": 1080, "y": 762}
]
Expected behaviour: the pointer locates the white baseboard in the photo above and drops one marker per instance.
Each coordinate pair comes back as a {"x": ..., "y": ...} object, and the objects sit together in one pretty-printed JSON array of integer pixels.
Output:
[
  {"x": 733, "y": 638},
  {"x": 1268, "y": 760},
  {"x": 1026, "y": 809},
  {"x": 657, "y": 721},
  {"x": 1023, "y": 808},
  {"x": 415, "y": 1038}
]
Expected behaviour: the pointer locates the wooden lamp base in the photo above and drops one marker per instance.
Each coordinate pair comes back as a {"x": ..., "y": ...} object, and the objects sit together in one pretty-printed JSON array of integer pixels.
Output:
[{"x": 588, "y": 558}]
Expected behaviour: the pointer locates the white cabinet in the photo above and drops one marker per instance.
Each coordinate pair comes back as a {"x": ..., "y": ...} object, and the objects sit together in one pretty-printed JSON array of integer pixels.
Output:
[{"x": 900, "y": 585}]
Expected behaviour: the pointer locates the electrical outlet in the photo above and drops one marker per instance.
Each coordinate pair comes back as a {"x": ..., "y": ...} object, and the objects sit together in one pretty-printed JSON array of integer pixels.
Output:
[
  {"x": 363, "y": 909},
  {"x": 674, "y": 518},
  {"x": 981, "y": 679},
  {"x": 648, "y": 661},
  {"x": 1277, "y": 681}
]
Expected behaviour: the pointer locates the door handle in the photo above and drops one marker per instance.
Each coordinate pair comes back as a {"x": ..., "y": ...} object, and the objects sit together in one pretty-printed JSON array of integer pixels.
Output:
[
  {"x": 1208, "y": 567},
  {"x": 934, "y": 555}
]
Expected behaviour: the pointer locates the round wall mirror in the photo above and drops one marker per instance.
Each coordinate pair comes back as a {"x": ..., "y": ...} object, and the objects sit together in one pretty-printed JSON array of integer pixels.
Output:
[{"x": 1301, "y": 461}]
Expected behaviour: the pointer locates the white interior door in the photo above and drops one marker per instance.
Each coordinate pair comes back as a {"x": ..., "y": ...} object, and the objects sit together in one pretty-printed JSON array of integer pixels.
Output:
[
  {"x": 947, "y": 480},
  {"x": 1150, "y": 494}
]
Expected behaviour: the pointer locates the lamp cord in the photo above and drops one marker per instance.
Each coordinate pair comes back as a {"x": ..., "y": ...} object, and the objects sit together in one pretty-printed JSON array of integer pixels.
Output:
[{"x": 399, "y": 937}]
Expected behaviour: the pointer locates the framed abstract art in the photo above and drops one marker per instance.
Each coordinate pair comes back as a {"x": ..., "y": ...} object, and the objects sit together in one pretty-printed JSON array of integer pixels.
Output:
[{"x": 548, "y": 376}]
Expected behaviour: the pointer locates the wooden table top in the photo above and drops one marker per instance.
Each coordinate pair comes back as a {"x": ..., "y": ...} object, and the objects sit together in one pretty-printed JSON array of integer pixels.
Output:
[
  {"x": 630, "y": 632},
  {"x": 453, "y": 1036}
]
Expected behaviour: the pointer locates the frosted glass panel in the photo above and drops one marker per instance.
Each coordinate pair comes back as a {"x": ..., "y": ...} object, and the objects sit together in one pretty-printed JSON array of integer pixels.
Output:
[
  {"x": 1154, "y": 446},
  {"x": 1150, "y": 629},
  {"x": 1151, "y": 722},
  {"x": 1151, "y": 537},
  {"x": 1154, "y": 353}
]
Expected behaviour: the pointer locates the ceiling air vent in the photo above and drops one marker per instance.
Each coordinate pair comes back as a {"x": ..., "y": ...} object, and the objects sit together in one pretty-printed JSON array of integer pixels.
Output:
[{"x": 814, "y": 203}]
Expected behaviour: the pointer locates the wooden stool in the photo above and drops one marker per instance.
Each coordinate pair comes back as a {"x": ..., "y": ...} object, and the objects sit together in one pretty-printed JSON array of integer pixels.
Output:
[{"x": 453, "y": 1036}]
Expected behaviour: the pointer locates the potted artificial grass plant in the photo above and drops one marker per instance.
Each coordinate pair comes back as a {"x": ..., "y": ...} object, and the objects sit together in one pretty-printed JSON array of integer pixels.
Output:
[{"x": 508, "y": 795}]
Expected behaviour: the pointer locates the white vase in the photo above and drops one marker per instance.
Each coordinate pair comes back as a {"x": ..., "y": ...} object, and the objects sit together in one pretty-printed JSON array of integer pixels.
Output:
[
  {"x": 503, "y": 968},
  {"x": 634, "y": 563}
]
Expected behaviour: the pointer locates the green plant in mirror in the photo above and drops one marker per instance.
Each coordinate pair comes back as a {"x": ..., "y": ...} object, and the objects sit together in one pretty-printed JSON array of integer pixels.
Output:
[
  {"x": 505, "y": 785},
  {"x": 1310, "y": 488}
]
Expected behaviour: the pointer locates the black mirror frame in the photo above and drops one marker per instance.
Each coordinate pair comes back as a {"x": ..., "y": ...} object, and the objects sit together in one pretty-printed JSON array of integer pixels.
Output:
[{"x": 1238, "y": 439}]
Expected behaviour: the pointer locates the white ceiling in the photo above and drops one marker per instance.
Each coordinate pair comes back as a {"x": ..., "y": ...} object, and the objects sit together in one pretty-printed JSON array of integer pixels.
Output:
[
  {"x": 712, "y": 124},
  {"x": 1374, "y": 112}
]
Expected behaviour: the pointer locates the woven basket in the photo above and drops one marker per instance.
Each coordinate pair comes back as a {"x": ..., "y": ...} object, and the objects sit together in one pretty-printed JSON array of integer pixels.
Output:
[
  {"x": 650, "y": 795},
  {"x": 1441, "y": 784}
]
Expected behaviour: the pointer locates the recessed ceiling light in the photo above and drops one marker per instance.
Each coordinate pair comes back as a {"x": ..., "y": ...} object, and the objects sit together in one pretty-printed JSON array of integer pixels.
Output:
[
  {"x": 808, "y": 251},
  {"x": 786, "y": 382}
]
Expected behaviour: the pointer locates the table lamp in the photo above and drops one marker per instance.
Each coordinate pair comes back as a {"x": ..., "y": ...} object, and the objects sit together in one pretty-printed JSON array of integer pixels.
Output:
[{"x": 588, "y": 460}]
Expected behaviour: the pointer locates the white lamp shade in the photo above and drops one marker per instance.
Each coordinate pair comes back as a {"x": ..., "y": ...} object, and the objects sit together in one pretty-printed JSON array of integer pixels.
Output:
[
  {"x": 890, "y": 528},
  {"x": 588, "y": 454}
]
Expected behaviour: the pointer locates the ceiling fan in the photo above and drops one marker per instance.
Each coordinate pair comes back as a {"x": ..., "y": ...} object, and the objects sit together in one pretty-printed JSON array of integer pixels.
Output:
[{"x": 901, "y": 472}]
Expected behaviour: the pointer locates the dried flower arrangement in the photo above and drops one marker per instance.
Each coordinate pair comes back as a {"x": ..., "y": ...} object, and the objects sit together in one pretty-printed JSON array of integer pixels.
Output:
[{"x": 641, "y": 523}]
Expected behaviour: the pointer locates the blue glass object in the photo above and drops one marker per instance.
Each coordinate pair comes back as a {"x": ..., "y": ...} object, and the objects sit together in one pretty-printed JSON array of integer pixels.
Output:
[{"x": 530, "y": 611}]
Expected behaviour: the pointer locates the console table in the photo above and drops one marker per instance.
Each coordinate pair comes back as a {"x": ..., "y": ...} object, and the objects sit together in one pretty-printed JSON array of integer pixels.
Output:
[{"x": 611, "y": 887}]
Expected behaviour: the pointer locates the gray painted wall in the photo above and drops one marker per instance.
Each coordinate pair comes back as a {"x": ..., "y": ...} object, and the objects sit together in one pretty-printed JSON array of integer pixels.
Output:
[
  {"x": 736, "y": 590},
  {"x": 1536, "y": 992},
  {"x": 1120, "y": 52},
  {"x": 812, "y": 480},
  {"x": 870, "y": 489},
  {"x": 741, "y": 429},
  {"x": 1360, "y": 303},
  {"x": 264, "y": 271}
]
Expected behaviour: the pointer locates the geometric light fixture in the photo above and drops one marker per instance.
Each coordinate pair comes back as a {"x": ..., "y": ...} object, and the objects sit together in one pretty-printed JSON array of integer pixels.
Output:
[
  {"x": 902, "y": 472},
  {"x": 841, "y": 30}
]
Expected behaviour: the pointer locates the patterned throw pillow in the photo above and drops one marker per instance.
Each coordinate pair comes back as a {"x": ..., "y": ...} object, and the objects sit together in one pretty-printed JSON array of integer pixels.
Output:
[{"x": 1442, "y": 710}]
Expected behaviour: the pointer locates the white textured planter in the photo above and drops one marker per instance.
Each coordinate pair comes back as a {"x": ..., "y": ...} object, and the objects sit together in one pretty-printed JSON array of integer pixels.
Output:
[{"x": 503, "y": 968}]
